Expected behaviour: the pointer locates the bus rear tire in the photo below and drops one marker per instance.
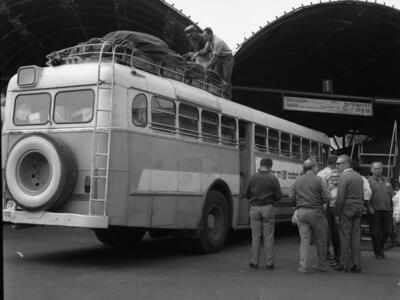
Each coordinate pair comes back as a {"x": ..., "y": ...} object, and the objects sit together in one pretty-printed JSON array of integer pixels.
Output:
[
  {"x": 214, "y": 224},
  {"x": 120, "y": 236}
]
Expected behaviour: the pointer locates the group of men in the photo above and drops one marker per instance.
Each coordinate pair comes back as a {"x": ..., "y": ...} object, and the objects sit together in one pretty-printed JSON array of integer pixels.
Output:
[
  {"x": 329, "y": 207},
  {"x": 211, "y": 52}
]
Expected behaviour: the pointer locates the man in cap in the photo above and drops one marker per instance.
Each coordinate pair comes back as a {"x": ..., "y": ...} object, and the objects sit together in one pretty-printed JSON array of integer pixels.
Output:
[
  {"x": 311, "y": 193},
  {"x": 197, "y": 42},
  {"x": 221, "y": 57},
  {"x": 262, "y": 191},
  {"x": 380, "y": 214}
]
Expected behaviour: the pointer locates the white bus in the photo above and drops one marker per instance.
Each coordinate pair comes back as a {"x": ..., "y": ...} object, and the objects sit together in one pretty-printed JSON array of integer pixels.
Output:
[{"x": 112, "y": 147}]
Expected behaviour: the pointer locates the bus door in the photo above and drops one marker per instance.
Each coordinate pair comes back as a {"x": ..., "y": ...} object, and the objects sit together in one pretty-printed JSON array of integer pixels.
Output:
[{"x": 245, "y": 146}]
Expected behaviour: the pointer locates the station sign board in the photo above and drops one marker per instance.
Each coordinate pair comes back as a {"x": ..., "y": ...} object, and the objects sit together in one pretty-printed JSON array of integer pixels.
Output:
[{"x": 327, "y": 106}]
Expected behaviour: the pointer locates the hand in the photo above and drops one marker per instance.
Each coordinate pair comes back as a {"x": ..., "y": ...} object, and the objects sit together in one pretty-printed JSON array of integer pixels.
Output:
[
  {"x": 370, "y": 210},
  {"x": 337, "y": 220}
]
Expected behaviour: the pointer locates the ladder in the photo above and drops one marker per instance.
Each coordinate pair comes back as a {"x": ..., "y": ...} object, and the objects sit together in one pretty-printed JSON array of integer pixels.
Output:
[{"x": 101, "y": 140}]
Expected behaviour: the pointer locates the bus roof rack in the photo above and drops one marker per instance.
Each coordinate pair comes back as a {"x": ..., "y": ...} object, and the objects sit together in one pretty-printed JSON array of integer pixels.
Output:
[{"x": 128, "y": 56}]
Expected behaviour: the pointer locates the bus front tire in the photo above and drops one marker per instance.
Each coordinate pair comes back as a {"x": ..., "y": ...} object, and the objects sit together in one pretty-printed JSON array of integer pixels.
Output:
[
  {"x": 120, "y": 236},
  {"x": 214, "y": 224}
]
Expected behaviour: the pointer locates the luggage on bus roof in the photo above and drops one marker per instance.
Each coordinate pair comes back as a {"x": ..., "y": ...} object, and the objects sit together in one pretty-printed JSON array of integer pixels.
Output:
[{"x": 149, "y": 45}]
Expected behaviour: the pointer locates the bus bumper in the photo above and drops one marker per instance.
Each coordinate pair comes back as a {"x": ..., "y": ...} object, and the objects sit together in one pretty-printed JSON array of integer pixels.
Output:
[{"x": 51, "y": 218}]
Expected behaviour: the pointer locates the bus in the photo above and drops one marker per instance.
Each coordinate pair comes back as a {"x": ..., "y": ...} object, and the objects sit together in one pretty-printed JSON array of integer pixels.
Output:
[{"x": 122, "y": 146}]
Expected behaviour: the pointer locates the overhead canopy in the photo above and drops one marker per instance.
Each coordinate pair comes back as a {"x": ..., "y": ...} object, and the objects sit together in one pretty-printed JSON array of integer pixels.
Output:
[
  {"x": 355, "y": 44},
  {"x": 31, "y": 29}
]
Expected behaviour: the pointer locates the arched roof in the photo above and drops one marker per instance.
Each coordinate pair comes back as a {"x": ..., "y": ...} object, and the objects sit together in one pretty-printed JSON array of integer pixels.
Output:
[
  {"x": 354, "y": 43},
  {"x": 31, "y": 29}
]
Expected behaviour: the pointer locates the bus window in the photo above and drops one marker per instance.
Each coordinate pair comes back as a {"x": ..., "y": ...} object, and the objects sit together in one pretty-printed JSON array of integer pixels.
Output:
[
  {"x": 188, "y": 120},
  {"x": 228, "y": 131},
  {"x": 209, "y": 126},
  {"x": 260, "y": 138},
  {"x": 33, "y": 109},
  {"x": 273, "y": 141},
  {"x": 314, "y": 151},
  {"x": 296, "y": 146},
  {"x": 163, "y": 114},
  {"x": 139, "y": 110},
  {"x": 285, "y": 144},
  {"x": 305, "y": 148},
  {"x": 325, "y": 152},
  {"x": 74, "y": 106}
]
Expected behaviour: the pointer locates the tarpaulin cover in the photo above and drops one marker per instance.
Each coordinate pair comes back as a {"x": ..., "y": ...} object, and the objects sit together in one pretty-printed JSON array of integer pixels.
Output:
[{"x": 150, "y": 45}]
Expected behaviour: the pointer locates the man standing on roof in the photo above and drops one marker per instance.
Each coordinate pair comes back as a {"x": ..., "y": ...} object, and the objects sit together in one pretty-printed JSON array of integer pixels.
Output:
[
  {"x": 197, "y": 42},
  {"x": 221, "y": 57}
]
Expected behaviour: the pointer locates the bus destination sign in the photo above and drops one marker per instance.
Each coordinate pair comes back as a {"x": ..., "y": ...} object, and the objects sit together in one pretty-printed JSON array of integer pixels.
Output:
[{"x": 327, "y": 106}]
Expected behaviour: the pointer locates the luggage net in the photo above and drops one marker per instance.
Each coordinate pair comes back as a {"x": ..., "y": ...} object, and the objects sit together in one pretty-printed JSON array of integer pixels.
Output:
[{"x": 161, "y": 61}]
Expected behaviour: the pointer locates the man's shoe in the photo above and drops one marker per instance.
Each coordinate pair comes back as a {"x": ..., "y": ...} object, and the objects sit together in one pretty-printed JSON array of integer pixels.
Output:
[
  {"x": 355, "y": 269},
  {"x": 379, "y": 257},
  {"x": 340, "y": 268},
  {"x": 270, "y": 267},
  {"x": 319, "y": 268},
  {"x": 253, "y": 266},
  {"x": 302, "y": 270}
]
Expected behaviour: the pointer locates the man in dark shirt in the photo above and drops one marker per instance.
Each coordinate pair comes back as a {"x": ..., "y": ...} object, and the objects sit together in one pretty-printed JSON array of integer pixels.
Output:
[
  {"x": 310, "y": 193},
  {"x": 262, "y": 191},
  {"x": 380, "y": 214},
  {"x": 348, "y": 211}
]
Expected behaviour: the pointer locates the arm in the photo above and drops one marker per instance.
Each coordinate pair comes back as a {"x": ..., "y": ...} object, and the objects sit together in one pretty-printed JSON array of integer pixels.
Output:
[
  {"x": 278, "y": 191},
  {"x": 367, "y": 196},
  {"x": 204, "y": 51},
  {"x": 340, "y": 196},
  {"x": 326, "y": 195}
]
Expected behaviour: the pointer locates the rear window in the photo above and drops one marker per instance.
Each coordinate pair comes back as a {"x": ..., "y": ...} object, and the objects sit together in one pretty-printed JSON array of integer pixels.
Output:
[
  {"x": 74, "y": 106},
  {"x": 33, "y": 109}
]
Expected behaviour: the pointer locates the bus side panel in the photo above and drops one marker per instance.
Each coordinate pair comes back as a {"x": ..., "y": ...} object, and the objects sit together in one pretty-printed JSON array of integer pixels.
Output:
[
  {"x": 117, "y": 205},
  {"x": 231, "y": 175},
  {"x": 189, "y": 202}
]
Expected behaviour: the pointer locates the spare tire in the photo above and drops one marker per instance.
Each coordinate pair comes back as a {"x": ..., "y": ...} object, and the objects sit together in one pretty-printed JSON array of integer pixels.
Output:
[{"x": 40, "y": 172}]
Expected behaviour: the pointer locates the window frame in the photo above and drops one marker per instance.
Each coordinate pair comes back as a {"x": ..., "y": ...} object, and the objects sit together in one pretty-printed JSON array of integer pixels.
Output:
[
  {"x": 48, "y": 114},
  {"x": 287, "y": 142},
  {"x": 277, "y": 140},
  {"x": 207, "y": 137},
  {"x": 66, "y": 91},
  {"x": 188, "y": 132},
  {"x": 296, "y": 154},
  {"x": 231, "y": 142},
  {"x": 147, "y": 110},
  {"x": 159, "y": 126},
  {"x": 260, "y": 147}
]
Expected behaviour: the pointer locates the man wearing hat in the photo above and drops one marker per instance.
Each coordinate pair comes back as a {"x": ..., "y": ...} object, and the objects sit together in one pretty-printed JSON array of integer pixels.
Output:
[
  {"x": 221, "y": 57},
  {"x": 197, "y": 42},
  {"x": 262, "y": 191}
]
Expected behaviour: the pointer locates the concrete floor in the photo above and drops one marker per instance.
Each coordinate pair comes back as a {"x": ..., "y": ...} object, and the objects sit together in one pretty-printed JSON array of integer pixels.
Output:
[{"x": 62, "y": 263}]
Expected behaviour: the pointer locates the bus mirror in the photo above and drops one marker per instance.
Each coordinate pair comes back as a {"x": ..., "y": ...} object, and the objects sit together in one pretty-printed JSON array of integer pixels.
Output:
[{"x": 28, "y": 76}]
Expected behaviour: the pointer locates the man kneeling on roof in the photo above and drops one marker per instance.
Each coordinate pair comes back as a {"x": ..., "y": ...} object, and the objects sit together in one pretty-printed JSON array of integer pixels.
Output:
[{"x": 221, "y": 57}]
